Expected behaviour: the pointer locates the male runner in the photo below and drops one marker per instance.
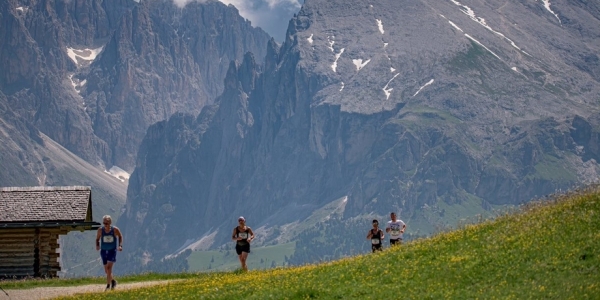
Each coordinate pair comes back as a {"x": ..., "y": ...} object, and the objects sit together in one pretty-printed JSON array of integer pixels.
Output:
[
  {"x": 106, "y": 242},
  {"x": 376, "y": 236},
  {"x": 396, "y": 229}
]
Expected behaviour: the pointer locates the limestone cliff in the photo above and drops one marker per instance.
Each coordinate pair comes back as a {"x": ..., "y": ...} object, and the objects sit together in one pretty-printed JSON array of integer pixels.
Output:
[{"x": 398, "y": 105}]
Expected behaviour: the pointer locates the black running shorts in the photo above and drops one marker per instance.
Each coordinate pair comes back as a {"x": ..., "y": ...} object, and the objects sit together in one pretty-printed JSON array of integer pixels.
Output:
[
  {"x": 242, "y": 248},
  {"x": 396, "y": 242}
]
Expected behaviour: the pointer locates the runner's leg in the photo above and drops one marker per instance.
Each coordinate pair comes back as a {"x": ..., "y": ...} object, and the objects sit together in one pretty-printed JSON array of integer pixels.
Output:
[
  {"x": 243, "y": 258},
  {"x": 108, "y": 269}
]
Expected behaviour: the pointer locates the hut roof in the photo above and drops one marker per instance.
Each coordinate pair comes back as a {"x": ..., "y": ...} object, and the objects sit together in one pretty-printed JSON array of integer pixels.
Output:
[{"x": 45, "y": 204}]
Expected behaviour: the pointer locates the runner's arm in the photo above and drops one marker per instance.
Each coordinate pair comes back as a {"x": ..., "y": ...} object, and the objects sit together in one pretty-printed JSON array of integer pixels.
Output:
[
  {"x": 251, "y": 234},
  {"x": 120, "y": 237},
  {"x": 98, "y": 236},
  {"x": 234, "y": 237},
  {"x": 369, "y": 235}
]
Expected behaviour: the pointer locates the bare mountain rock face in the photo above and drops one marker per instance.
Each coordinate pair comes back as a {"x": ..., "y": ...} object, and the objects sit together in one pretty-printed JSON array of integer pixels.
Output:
[
  {"x": 93, "y": 75},
  {"x": 411, "y": 106},
  {"x": 34, "y": 59},
  {"x": 16, "y": 146},
  {"x": 160, "y": 60}
]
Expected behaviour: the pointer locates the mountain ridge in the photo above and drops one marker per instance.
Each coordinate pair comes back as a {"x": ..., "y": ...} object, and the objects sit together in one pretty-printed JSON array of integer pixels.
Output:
[
  {"x": 369, "y": 101},
  {"x": 94, "y": 76}
]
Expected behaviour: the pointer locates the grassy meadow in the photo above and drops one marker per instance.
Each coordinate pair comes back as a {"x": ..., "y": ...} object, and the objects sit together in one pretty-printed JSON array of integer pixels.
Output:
[
  {"x": 261, "y": 258},
  {"x": 545, "y": 250}
]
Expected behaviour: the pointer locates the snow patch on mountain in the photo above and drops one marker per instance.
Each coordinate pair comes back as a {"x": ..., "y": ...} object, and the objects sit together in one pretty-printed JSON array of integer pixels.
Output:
[
  {"x": 118, "y": 173},
  {"x": 422, "y": 87},
  {"x": 73, "y": 83},
  {"x": 482, "y": 45},
  {"x": 469, "y": 12},
  {"x": 387, "y": 91},
  {"x": 77, "y": 85},
  {"x": 548, "y": 8},
  {"x": 518, "y": 72},
  {"x": 83, "y": 57},
  {"x": 380, "y": 26},
  {"x": 331, "y": 42},
  {"x": 337, "y": 56},
  {"x": 360, "y": 64},
  {"x": 455, "y": 26}
]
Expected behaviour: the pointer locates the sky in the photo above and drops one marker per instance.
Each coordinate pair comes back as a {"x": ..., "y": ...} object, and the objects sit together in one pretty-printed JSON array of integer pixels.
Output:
[{"x": 271, "y": 15}]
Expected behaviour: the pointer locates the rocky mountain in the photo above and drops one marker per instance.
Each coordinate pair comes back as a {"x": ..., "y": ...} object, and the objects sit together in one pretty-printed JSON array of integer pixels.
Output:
[
  {"x": 436, "y": 109},
  {"x": 270, "y": 15},
  {"x": 82, "y": 80},
  {"x": 28, "y": 157},
  {"x": 93, "y": 75}
]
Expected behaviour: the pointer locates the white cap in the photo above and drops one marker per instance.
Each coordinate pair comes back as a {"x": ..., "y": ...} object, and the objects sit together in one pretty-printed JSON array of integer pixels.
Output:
[{"x": 241, "y": 218}]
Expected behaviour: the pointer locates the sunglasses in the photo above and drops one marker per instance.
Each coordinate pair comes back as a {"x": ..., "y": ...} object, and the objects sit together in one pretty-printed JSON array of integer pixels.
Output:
[
  {"x": 240, "y": 220},
  {"x": 105, "y": 223}
]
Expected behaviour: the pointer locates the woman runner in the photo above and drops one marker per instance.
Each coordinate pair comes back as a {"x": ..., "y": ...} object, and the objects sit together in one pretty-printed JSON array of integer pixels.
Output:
[{"x": 242, "y": 235}]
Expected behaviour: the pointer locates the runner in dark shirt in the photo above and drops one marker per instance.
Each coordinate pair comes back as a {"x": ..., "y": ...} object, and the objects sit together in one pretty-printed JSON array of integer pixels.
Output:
[
  {"x": 376, "y": 236},
  {"x": 106, "y": 243},
  {"x": 242, "y": 235}
]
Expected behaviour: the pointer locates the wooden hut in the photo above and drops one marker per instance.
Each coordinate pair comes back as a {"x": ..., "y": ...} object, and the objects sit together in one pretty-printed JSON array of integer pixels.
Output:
[{"x": 31, "y": 221}]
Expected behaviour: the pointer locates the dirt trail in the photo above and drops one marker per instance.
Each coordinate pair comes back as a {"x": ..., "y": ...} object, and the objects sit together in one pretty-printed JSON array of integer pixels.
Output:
[{"x": 53, "y": 292}]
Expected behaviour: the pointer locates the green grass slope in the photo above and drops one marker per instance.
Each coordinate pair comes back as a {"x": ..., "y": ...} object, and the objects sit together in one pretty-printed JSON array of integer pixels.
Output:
[
  {"x": 223, "y": 260},
  {"x": 544, "y": 251}
]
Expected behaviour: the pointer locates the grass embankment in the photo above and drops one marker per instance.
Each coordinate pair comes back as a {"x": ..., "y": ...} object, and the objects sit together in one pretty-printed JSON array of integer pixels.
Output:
[
  {"x": 262, "y": 258},
  {"x": 546, "y": 251}
]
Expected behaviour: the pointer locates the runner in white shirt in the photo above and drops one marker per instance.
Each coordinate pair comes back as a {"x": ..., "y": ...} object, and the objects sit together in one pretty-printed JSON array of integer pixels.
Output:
[{"x": 395, "y": 228}]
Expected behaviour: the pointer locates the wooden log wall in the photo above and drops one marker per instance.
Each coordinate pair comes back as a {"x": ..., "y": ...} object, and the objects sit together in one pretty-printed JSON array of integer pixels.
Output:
[{"x": 30, "y": 252}]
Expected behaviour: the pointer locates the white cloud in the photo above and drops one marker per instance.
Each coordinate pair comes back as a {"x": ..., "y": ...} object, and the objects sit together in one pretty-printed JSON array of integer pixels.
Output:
[
  {"x": 273, "y": 3},
  {"x": 271, "y": 15},
  {"x": 246, "y": 8},
  {"x": 183, "y": 3}
]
